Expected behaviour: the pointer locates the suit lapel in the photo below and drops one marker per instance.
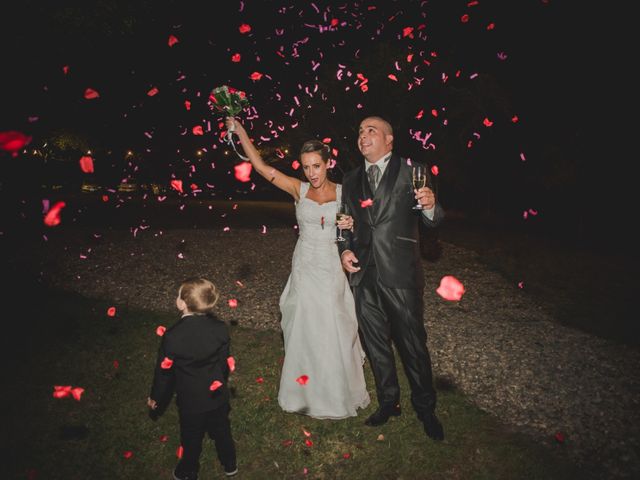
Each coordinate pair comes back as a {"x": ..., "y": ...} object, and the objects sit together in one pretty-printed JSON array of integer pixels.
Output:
[
  {"x": 365, "y": 190},
  {"x": 383, "y": 193}
]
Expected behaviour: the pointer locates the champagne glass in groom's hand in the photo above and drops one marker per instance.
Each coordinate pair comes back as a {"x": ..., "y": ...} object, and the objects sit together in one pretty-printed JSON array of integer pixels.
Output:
[{"x": 419, "y": 181}]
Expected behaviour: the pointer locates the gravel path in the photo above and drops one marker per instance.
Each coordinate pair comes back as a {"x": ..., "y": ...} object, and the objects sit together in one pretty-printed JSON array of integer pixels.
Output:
[{"x": 496, "y": 345}]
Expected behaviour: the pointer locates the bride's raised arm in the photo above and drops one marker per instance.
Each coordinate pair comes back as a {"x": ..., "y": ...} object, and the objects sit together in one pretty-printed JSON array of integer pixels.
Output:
[{"x": 291, "y": 185}]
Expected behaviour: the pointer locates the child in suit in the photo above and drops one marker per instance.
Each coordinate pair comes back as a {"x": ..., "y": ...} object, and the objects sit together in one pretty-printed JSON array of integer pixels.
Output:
[{"x": 193, "y": 360}]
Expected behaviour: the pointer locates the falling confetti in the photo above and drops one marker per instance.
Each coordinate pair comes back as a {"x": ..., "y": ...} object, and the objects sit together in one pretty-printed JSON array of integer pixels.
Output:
[
  {"x": 86, "y": 164},
  {"x": 52, "y": 217},
  {"x": 91, "y": 94},
  {"x": 13, "y": 141},
  {"x": 166, "y": 363}
]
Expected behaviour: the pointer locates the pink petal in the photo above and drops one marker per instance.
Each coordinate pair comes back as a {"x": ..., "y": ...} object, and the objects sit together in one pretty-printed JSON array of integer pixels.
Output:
[
  {"x": 231, "y": 362},
  {"x": 166, "y": 363},
  {"x": 86, "y": 164},
  {"x": 52, "y": 218},
  {"x": 77, "y": 393},
  {"x": 215, "y": 385},
  {"x": 243, "y": 171},
  {"x": 450, "y": 288},
  {"x": 90, "y": 94},
  {"x": 160, "y": 330},
  {"x": 177, "y": 185}
]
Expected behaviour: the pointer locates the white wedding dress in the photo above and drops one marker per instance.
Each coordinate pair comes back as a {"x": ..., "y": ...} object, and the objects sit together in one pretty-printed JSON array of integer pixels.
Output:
[{"x": 319, "y": 322}]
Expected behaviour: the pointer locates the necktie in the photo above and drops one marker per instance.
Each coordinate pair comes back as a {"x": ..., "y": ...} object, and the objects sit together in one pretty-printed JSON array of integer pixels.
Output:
[{"x": 374, "y": 174}]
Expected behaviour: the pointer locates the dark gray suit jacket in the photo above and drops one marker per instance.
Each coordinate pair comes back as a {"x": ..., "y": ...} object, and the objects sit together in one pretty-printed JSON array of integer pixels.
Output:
[{"x": 388, "y": 229}]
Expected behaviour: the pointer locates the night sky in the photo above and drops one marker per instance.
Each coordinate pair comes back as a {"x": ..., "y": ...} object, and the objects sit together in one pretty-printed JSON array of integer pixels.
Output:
[{"x": 518, "y": 99}]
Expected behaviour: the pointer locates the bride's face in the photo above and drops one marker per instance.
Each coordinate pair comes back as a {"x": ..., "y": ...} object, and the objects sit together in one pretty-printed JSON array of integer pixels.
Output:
[{"x": 314, "y": 168}]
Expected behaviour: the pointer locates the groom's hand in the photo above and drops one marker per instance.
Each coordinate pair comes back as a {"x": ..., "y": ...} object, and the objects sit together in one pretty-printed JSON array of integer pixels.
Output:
[{"x": 348, "y": 259}]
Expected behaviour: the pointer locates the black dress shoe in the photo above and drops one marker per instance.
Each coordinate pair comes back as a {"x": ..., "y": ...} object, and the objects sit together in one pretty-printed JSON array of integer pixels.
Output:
[
  {"x": 433, "y": 427},
  {"x": 381, "y": 416}
]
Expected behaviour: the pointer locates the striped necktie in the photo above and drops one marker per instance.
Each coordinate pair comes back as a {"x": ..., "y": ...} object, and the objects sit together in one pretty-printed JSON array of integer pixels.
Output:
[{"x": 374, "y": 175}]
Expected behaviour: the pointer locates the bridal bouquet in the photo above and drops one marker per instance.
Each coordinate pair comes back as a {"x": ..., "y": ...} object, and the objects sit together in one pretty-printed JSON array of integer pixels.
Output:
[{"x": 228, "y": 101}]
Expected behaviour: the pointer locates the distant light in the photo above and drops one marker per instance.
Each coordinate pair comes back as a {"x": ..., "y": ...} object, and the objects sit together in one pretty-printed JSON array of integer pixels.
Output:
[
  {"x": 226, "y": 152},
  {"x": 35, "y": 152},
  {"x": 88, "y": 152},
  {"x": 129, "y": 153},
  {"x": 286, "y": 150},
  {"x": 199, "y": 152}
]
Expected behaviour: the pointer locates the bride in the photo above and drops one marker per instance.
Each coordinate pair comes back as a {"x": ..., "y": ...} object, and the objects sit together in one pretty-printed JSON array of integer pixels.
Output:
[{"x": 322, "y": 374}]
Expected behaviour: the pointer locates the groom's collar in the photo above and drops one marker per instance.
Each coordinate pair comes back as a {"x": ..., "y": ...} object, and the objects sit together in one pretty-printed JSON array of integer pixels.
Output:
[{"x": 382, "y": 163}]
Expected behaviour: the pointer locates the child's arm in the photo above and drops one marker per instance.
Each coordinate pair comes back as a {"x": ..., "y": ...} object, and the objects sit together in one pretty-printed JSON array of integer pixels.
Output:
[{"x": 163, "y": 381}]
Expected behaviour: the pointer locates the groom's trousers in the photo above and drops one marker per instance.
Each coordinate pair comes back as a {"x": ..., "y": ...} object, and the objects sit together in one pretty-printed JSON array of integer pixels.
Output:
[{"x": 387, "y": 315}]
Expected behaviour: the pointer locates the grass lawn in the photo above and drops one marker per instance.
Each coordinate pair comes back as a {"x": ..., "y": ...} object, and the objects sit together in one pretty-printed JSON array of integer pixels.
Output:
[{"x": 61, "y": 338}]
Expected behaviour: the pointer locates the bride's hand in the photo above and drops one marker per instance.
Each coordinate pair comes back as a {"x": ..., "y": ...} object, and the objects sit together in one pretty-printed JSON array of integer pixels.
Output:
[{"x": 232, "y": 124}]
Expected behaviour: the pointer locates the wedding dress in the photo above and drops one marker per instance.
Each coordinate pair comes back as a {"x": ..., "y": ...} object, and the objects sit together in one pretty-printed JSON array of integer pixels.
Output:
[{"x": 322, "y": 374}]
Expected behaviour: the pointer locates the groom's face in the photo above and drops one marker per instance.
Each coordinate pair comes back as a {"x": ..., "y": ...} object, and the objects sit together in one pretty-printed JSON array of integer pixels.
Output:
[{"x": 374, "y": 139}]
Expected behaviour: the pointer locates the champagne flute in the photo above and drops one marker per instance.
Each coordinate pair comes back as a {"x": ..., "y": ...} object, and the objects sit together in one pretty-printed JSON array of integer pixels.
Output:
[
  {"x": 419, "y": 181},
  {"x": 340, "y": 213}
]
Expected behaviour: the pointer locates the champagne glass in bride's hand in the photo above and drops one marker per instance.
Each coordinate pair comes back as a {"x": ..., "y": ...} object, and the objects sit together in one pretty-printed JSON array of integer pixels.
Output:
[
  {"x": 340, "y": 214},
  {"x": 419, "y": 181}
]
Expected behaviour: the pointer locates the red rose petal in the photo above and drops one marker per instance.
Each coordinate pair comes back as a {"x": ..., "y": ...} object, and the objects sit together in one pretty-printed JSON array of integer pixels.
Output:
[
  {"x": 13, "y": 141},
  {"x": 166, "y": 363},
  {"x": 216, "y": 384},
  {"x": 86, "y": 164},
  {"x": 52, "y": 218},
  {"x": 77, "y": 393},
  {"x": 177, "y": 185},
  {"x": 231, "y": 362},
  {"x": 90, "y": 94},
  {"x": 243, "y": 171},
  {"x": 450, "y": 288},
  {"x": 172, "y": 40}
]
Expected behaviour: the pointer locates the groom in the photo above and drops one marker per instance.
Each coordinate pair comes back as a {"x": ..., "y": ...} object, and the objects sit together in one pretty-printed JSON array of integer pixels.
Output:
[{"x": 382, "y": 256}]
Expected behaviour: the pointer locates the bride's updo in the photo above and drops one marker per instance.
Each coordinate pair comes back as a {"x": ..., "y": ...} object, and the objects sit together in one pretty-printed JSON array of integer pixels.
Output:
[{"x": 318, "y": 147}]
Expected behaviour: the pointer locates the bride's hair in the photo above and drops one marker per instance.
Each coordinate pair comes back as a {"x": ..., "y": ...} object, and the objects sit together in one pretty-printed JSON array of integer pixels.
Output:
[{"x": 316, "y": 146}]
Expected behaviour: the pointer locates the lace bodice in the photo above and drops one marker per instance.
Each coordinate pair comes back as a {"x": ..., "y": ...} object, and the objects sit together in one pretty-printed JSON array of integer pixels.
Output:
[{"x": 310, "y": 215}]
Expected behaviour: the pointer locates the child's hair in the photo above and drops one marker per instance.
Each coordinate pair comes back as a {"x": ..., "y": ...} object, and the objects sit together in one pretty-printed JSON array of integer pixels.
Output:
[
  {"x": 199, "y": 294},
  {"x": 316, "y": 146}
]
